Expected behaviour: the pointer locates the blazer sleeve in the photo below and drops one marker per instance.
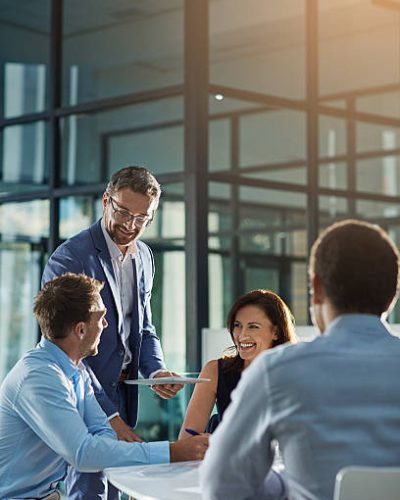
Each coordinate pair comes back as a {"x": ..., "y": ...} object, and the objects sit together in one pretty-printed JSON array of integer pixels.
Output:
[
  {"x": 63, "y": 260},
  {"x": 104, "y": 401}
]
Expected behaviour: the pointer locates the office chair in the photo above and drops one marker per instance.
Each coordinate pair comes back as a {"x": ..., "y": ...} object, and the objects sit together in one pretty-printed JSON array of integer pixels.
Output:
[{"x": 367, "y": 483}]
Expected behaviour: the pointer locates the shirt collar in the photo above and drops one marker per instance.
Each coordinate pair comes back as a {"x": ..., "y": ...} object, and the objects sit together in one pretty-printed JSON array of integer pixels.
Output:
[
  {"x": 62, "y": 359},
  {"x": 115, "y": 252},
  {"x": 360, "y": 323}
]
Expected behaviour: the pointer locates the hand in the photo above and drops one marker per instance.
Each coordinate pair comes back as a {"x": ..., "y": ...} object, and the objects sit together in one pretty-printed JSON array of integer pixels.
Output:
[
  {"x": 193, "y": 448},
  {"x": 167, "y": 391},
  {"x": 123, "y": 431}
]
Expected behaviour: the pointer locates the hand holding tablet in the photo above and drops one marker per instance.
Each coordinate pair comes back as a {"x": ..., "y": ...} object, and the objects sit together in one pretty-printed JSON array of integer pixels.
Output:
[{"x": 166, "y": 380}]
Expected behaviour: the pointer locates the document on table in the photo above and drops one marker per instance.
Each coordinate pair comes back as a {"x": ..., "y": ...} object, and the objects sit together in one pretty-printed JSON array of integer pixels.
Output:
[{"x": 166, "y": 380}]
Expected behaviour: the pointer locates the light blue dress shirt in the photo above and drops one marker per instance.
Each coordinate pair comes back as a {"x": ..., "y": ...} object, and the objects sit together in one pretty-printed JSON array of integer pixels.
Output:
[
  {"x": 330, "y": 403},
  {"x": 49, "y": 418}
]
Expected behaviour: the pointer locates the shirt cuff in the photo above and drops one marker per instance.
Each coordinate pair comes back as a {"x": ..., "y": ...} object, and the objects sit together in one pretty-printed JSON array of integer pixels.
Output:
[
  {"x": 157, "y": 371},
  {"x": 116, "y": 414},
  {"x": 159, "y": 452}
]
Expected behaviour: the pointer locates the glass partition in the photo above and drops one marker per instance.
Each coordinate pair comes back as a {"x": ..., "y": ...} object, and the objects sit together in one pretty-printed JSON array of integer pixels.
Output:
[
  {"x": 331, "y": 209},
  {"x": 23, "y": 233},
  {"x": 386, "y": 102},
  {"x": 116, "y": 48},
  {"x": 24, "y": 56},
  {"x": 78, "y": 213},
  {"x": 259, "y": 243},
  {"x": 258, "y": 45},
  {"x": 95, "y": 145},
  {"x": 24, "y": 158},
  {"x": 160, "y": 419},
  {"x": 166, "y": 237},
  {"x": 357, "y": 48}
]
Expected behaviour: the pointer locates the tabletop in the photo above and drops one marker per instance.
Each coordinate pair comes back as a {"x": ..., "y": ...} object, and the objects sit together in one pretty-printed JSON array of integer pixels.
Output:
[{"x": 176, "y": 481}]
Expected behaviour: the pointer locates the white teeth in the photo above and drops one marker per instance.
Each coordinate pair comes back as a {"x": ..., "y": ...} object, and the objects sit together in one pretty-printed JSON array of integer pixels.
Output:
[{"x": 245, "y": 346}]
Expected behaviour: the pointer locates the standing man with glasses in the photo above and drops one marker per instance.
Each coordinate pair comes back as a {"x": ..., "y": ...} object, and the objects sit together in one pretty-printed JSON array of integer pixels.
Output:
[{"x": 111, "y": 251}]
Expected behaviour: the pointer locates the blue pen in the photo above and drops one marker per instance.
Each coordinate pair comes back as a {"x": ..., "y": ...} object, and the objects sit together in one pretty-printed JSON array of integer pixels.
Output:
[{"x": 192, "y": 432}]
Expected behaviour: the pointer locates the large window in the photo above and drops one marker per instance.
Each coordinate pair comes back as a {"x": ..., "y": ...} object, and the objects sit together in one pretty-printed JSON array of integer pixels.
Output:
[
  {"x": 23, "y": 229},
  {"x": 94, "y": 145}
]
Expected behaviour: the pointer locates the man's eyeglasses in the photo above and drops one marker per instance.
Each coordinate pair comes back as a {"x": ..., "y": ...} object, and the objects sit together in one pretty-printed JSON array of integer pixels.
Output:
[{"x": 122, "y": 215}]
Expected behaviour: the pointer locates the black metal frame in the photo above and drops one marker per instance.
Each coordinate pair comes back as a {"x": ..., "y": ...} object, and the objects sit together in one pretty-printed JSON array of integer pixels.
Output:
[
  {"x": 312, "y": 80},
  {"x": 54, "y": 131},
  {"x": 196, "y": 183}
]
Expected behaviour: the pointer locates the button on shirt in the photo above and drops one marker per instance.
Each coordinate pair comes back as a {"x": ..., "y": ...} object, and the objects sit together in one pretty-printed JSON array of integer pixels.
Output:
[
  {"x": 123, "y": 267},
  {"x": 49, "y": 417}
]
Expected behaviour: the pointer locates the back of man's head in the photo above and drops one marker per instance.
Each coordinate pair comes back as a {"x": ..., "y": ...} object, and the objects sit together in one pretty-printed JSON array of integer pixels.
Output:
[
  {"x": 358, "y": 265},
  {"x": 65, "y": 301}
]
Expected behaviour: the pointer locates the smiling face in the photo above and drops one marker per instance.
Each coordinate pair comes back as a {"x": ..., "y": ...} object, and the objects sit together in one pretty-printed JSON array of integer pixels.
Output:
[
  {"x": 252, "y": 332},
  {"x": 124, "y": 232}
]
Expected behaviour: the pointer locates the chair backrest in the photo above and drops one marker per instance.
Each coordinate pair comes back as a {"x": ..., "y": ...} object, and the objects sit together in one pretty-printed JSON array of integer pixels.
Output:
[{"x": 368, "y": 483}]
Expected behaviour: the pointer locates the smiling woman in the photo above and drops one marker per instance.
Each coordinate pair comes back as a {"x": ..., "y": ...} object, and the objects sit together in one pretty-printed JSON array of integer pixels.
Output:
[{"x": 257, "y": 321}]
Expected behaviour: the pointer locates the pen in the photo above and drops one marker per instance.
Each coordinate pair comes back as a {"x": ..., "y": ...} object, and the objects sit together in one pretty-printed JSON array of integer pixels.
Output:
[{"x": 192, "y": 432}]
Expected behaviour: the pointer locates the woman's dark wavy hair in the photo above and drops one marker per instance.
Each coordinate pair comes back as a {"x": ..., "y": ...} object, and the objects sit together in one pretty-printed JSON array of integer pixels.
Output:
[{"x": 277, "y": 312}]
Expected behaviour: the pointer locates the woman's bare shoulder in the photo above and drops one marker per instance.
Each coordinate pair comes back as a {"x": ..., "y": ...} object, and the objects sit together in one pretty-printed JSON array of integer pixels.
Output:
[{"x": 210, "y": 370}]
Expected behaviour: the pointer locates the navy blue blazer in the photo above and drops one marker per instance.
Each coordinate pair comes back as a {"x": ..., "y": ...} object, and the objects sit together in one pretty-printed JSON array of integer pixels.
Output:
[{"x": 87, "y": 253}]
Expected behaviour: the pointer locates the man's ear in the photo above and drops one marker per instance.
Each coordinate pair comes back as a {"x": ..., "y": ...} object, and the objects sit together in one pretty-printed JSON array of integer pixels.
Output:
[
  {"x": 105, "y": 200},
  {"x": 317, "y": 290},
  {"x": 79, "y": 329}
]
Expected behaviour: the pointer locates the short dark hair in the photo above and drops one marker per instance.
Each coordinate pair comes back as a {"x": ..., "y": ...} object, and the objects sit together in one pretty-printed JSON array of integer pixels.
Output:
[
  {"x": 65, "y": 301},
  {"x": 274, "y": 308},
  {"x": 137, "y": 179},
  {"x": 358, "y": 265}
]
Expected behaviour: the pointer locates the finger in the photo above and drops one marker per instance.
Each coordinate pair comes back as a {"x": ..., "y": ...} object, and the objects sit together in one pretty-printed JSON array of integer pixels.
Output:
[
  {"x": 172, "y": 388},
  {"x": 125, "y": 437},
  {"x": 163, "y": 374},
  {"x": 133, "y": 438},
  {"x": 157, "y": 391},
  {"x": 137, "y": 439},
  {"x": 200, "y": 453},
  {"x": 166, "y": 394},
  {"x": 162, "y": 395},
  {"x": 162, "y": 390},
  {"x": 175, "y": 387},
  {"x": 129, "y": 439}
]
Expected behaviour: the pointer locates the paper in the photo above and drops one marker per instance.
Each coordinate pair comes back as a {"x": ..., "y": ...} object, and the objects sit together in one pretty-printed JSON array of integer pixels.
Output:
[{"x": 166, "y": 380}]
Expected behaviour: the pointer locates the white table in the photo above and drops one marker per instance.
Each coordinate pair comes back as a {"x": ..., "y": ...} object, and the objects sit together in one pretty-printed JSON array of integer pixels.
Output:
[{"x": 177, "y": 481}]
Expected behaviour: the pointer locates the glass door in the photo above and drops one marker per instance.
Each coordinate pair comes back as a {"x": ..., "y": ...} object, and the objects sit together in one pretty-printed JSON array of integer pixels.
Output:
[{"x": 20, "y": 273}]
